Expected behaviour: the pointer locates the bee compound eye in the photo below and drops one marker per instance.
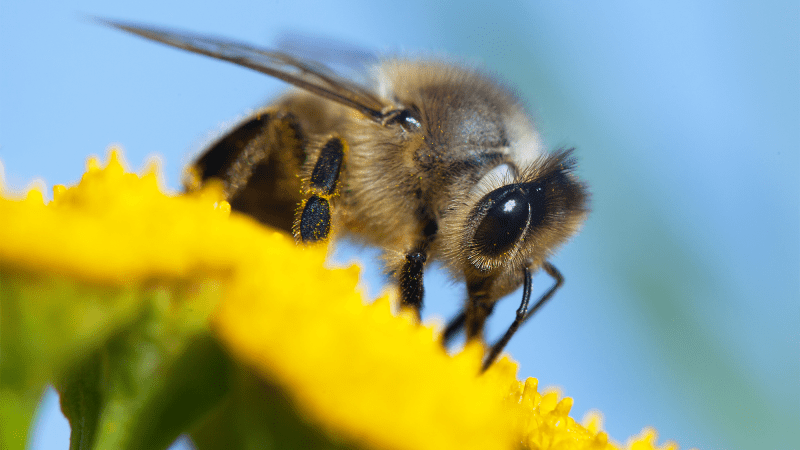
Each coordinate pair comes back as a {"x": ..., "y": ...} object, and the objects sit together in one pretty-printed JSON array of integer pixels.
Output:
[{"x": 506, "y": 218}]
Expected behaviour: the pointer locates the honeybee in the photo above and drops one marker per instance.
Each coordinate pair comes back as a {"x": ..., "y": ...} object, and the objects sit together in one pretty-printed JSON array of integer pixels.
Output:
[{"x": 428, "y": 161}]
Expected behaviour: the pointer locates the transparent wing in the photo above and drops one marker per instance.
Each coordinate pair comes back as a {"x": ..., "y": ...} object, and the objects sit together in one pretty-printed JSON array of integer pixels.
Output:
[
  {"x": 346, "y": 59},
  {"x": 311, "y": 76}
]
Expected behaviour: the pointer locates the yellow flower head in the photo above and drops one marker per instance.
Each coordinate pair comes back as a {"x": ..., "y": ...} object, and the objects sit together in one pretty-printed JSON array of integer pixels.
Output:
[{"x": 362, "y": 374}]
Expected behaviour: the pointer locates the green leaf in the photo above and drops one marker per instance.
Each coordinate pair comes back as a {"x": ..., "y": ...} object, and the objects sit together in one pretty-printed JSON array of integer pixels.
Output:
[
  {"x": 151, "y": 380},
  {"x": 48, "y": 322},
  {"x": 121, "y": 356}
]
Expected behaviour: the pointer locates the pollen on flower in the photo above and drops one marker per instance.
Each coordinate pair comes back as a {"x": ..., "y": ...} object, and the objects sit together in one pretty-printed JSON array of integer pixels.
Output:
[{"x": 223, "y": 206}]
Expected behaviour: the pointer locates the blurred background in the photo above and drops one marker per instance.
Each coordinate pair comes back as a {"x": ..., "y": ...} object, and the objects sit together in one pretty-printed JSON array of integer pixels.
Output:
[{"x": 682, "y": 298}]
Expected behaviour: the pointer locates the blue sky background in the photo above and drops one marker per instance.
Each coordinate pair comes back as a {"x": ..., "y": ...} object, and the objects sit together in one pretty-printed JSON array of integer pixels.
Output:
[{"x": 682, "y": 297}]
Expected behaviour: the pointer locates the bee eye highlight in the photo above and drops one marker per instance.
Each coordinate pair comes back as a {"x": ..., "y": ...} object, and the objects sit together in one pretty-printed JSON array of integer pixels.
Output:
[
  {"x": 407, "y": 118},
  {"x": 507, "y": 216}
]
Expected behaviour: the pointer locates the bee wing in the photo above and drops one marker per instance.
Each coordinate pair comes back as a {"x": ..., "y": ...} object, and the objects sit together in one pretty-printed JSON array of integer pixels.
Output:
[
  {"x": 345, "y": 58},
  {"x": 313, "y": 77}
]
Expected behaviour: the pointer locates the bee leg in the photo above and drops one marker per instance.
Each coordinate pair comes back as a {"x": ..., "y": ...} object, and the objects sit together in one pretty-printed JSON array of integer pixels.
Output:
[
  {"x": 256, "y": 163},
  {"x": 314, "y": 223},
  {"x": 453, "y": 328},
  {"x": 223, "y": 159},
  {"x": 523, "y": 313},
  {"x": 411, "y": 289},
  {"x": 315, "y": 220},
  {"x": 478, "y": 309}
]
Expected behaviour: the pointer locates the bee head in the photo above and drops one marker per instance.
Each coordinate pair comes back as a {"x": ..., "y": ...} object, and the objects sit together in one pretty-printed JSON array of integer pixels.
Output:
[{"x": 515, "y": 218}]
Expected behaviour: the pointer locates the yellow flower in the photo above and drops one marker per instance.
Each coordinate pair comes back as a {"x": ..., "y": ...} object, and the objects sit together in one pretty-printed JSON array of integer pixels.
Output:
[{"x": 361, "y": 374}]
